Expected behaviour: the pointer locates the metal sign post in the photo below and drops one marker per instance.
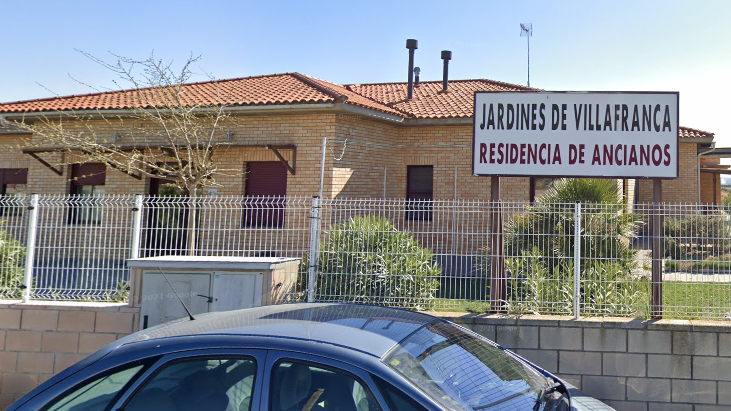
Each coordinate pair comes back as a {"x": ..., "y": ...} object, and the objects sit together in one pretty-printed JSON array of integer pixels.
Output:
[{"x": 498, "y": 281}]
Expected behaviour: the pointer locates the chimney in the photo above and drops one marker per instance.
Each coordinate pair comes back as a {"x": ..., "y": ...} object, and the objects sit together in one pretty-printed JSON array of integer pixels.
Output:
[
  {"x": 412, "y": 45},
  {"x": 416, "y": 73},
  {"x": 446, "y": 56}
]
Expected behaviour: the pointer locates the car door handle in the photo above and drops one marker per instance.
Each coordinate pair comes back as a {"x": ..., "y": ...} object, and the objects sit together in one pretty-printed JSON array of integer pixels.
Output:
[{"x": 208, "y": 298}]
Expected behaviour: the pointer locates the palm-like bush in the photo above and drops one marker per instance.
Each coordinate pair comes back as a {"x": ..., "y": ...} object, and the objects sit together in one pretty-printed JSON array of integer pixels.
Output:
[
  {"x": 540, "y": 248},
  {"x": 548, "y": 226},
  {"x": 367, "y": 260}
]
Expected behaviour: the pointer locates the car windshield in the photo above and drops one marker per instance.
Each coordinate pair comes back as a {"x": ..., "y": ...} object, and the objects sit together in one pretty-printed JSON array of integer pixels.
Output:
[{"x": 462, "y": 371}]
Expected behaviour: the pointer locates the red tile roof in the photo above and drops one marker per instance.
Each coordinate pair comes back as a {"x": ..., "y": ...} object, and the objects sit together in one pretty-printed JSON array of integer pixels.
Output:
[
  {"x": 429, "y": 102},
  {"x": 687, "y": 132},
  {"x": 288, "y": 88}
]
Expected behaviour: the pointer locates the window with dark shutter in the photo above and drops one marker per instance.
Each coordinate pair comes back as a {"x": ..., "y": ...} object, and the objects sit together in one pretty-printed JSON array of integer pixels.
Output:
[
  {"x": 419, "y": 192},
  {"x": 13, "y": 183},
  {"x": 87, "y": 183},
  {"x": 266, "y": 188}
]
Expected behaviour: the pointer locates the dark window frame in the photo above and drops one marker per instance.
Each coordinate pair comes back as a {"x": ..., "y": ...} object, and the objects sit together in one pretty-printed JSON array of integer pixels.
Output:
[
  {"x": 419, "y": 197},
  {"x": 8, "y": 176},
  {"x": 83, "y": 210}
]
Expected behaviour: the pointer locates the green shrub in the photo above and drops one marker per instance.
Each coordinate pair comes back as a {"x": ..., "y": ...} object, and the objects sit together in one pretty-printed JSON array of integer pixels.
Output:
[
  {"x": 547, "y": 227},
  {"x": 12, "y": 259},
  {"x": 697, "y": 237},
  {"x": 530, "y": 289},
  {"x": 367, "y": 260},
  {"x": 604, "y": 288}
]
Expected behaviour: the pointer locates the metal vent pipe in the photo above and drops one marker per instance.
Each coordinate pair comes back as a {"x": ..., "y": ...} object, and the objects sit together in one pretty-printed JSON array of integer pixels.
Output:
[
  {"x": 412, "y": 45},
  {"x": 446, "y": 56}
]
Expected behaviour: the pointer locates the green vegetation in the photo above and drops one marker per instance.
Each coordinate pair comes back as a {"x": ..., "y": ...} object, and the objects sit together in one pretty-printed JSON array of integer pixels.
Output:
[
  {"x": 726, "y": 198},
  {"x": 367, "y": 260},
  {"x": 548, "y": 226},
  {"x": 12, "y": 259},
  {"x": 540, "y": 247},
  {"x": 696, "y": 301},
  {"x": 605, "y": 288},
  {"x": 709, "y": 264},
  {"x": 697, "y": 237}
]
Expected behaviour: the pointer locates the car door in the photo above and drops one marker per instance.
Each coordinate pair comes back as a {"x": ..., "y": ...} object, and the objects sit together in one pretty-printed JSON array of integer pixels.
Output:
[
  {"x": 211, "y": 380},
  {"x": 303, "y": 382},
  {"x": 346, "y": 387}
]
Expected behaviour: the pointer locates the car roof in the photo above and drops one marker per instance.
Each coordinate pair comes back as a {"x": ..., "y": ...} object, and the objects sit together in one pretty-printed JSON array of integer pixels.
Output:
[{"x": 370, "y": 329}]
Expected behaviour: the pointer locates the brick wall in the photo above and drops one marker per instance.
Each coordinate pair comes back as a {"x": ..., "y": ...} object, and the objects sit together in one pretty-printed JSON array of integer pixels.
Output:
[
  {"x": 710, "y": 185},
  {"x": 628, "y": 363},
  {"x": 374, "y": 150},
  {"x": 684, "y": 189},
  {"x": 38, "y": 340}
]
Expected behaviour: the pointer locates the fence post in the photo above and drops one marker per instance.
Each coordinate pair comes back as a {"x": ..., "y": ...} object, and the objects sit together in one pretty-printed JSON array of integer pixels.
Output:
[
  {"x": 577, "y": 260},
  {"x": 315, "y": 227},
  {"x": 657, "y": 250},
  {"x": 136, "y": 227},
  {"x": 30, "y": 247}
]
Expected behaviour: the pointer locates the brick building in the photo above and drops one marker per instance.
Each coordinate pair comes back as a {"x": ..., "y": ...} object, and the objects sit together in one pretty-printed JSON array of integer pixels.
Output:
[{"x": 380, "y": 143}]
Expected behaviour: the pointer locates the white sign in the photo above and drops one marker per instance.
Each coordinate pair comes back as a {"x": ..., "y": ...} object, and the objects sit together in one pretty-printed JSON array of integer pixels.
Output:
[{"x": 576, "y": 134}]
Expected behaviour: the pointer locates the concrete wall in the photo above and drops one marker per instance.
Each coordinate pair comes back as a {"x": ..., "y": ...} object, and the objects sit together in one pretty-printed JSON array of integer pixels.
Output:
[
  {"x": 630, "y": 364},
  {"x": 38, "y": 340}
]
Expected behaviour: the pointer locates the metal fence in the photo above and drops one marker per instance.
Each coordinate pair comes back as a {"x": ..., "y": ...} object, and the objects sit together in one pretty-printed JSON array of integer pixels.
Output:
[{"x": 566, "y": 259}]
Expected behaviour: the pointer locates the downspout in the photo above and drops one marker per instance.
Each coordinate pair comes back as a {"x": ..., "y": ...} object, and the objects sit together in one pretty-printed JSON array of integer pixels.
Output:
[{"x": 710, "y": 150}]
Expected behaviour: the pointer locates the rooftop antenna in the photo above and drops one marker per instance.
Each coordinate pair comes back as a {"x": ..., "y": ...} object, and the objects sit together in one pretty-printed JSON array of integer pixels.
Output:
[{"x": 526, "y": 30}]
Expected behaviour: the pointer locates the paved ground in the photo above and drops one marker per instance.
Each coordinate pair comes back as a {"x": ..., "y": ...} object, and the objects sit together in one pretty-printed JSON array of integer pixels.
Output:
[{"x": 698, "y": 277}]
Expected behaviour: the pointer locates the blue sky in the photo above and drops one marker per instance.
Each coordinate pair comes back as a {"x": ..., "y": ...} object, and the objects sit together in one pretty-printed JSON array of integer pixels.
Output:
[{"x": 577, "y": 45}]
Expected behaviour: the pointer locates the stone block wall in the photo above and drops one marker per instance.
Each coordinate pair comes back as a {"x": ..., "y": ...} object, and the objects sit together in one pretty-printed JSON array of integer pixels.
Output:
[
  {"x": 40, "y": 339},
  {"x": 630, "y": 364}
]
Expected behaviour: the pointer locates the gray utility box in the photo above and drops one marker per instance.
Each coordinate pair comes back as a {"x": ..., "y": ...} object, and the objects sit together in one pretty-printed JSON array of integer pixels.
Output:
[{"x": 206, "y": 284}]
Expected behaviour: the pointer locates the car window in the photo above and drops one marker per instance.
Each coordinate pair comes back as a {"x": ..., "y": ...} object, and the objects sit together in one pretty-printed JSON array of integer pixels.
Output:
[
  {"x": 97, "y": 394},
  {"x": 395, "y": 398},
  {"x": 459, "y": 370},
  {"x": 300, "y": 386},
  {"x": 211, "y": 384}
]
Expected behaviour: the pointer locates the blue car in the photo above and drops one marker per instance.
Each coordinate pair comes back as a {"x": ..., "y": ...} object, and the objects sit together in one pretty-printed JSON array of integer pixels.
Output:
[{"x": 305, "y": 357}]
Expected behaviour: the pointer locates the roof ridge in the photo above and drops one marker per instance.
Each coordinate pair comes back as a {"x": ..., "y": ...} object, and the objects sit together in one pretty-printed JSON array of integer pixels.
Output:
[
  {"x": 310, "y": 81},
  {"x": 313, "y": 81},
  {"x": 383, "y": 103},
  {"x": 481, "y": 80}
]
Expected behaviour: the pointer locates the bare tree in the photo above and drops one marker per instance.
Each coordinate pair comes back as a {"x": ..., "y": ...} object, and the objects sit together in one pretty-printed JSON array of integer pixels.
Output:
[{"x": 166, "y": 131}]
